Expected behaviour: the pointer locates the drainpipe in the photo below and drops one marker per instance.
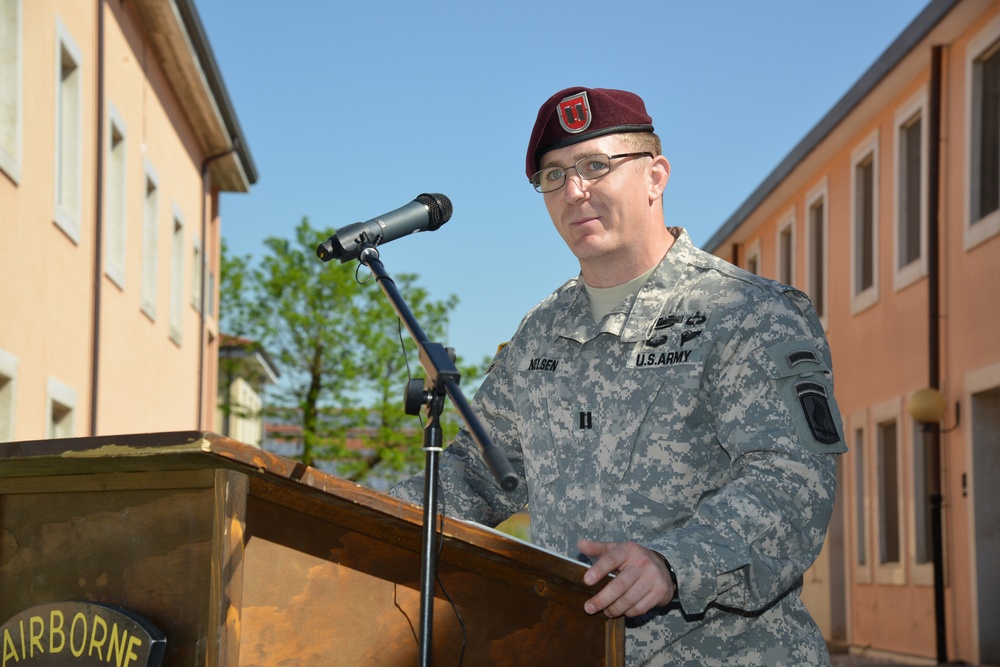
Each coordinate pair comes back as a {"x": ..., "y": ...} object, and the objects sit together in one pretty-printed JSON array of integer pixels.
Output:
[
  {"x": 933, "y": 434},
  {"x": 95, "y": 352},
  {"x": 204, "y": 274}
]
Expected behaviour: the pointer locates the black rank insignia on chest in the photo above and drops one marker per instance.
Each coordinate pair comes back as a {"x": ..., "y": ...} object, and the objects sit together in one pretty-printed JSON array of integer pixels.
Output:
[{"x": 691, "y": 326}]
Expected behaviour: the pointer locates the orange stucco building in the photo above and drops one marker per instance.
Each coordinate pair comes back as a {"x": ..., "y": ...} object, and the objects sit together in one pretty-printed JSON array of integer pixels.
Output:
[
  {"x": 888, "y": 215},
  {"x": 116, "y": 138}
]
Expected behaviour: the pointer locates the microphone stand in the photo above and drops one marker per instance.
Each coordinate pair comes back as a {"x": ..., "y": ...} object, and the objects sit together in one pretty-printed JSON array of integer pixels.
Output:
[{"x": 442, "y": 379}]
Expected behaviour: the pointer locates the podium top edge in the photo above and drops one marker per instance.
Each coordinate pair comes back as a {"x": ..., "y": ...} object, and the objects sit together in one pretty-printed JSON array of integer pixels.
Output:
[
  {"x": 132, "y": 444},
  {"x": 201, "y": 449},
  {"x": 177, "y": 450}
]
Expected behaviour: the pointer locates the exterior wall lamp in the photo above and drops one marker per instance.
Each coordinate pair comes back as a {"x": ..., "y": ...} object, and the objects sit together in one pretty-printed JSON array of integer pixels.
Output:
[{"x": 928, "y": 407}]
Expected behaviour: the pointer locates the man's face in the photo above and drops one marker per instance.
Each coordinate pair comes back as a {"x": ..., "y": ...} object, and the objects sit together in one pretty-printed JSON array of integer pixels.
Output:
[{"x": 602, "y": 220}]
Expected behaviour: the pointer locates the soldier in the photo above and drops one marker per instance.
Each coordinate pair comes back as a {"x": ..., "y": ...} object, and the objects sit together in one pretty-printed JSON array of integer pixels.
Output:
[{"x": 671, "y": 414}]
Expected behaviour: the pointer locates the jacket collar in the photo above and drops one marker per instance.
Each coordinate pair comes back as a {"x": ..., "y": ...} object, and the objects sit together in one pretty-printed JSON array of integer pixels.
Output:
[{"x": 634, "y": 318}]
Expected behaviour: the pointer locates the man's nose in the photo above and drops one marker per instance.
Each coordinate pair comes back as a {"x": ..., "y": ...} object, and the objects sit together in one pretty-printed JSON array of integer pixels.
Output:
[{"x": 575, "y": 184}]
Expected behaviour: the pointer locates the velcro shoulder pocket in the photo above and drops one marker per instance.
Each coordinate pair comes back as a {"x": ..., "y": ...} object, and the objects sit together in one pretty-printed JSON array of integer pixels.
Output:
[{"x": 804, "y": 383}]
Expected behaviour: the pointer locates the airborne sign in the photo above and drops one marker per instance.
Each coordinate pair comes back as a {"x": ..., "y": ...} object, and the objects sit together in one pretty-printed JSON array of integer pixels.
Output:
[{"x": 80, "y": 634}]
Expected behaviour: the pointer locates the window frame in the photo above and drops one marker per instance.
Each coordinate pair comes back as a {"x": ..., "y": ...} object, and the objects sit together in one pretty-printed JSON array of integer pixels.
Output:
[
  {"x": 8, "y": 396},
  {"x": 116, "y": 196},
  {"x": 752, "y": 258},
  {"x": 197, "y": 277},
  {"x": 150, "y": 241},
  {"x": 986, "y": 43},
  {"x": 12, "y": 91},
  {"x": 890, "y": 572},
  {"x": 917, "y": 106},
  {"x": 863, "y": 298},
  {"x": 785, "y": 265},
  {"x": 64, "y": 396},
  {"x": 861, "y": 501},
  {"x": 820, "y": 193},
  {"x": 68, "y": 190},
  {"x": 918, "y": 507},
  {"x": 177, "y": 274}
]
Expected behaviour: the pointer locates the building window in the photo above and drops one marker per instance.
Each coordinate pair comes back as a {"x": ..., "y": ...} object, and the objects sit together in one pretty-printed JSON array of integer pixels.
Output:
[
  {"x": 816, "y": 255},
  {"x": 860, "y": 509},
  {"x": 752, "y": 262},
  {"x": 983, "y": 74},
  {"x": 865, "y": 211},
  {"x": 888, "y": 494},
  {"x": 196, "y": 274},
  {"x": 911, "y": 193},
  {"x": 786, "y": 250},
  {"x": 8, "y": 377},
  {"x": 923, "y": 547},
  {"x": 150, "y": 243},
  {"x": 986, "y": 152},
  {"x": 864, "y": 225},
  {"x": 69, "y": 134},
  {"x": 177, "y": 278},
  {"x": 212, "y": 253},
  {"x": 115, "y": 212},
  {"x": 61, "y": 408},
  {"x": 10, "y": 88},
  {"x": 210, "y": 294}
]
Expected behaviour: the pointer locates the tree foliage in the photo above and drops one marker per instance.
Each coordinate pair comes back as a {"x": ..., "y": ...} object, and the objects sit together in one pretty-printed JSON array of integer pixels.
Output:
[{"x": 340, "y": 349}]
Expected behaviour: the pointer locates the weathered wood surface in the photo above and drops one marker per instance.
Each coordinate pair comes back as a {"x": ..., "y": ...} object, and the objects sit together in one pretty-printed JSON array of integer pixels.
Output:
[
  {"x": 246, "y": 558},
  {"x": 144, "y": 549}
]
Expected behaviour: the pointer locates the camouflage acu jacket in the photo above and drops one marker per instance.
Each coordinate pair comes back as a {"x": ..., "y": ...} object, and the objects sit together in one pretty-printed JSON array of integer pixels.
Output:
[{"x": 697, "y": 419}]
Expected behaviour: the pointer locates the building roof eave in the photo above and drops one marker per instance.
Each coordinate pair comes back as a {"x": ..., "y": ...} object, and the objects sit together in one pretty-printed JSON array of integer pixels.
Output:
[
  {"x": 182, "y": 49},
  {"x": 250, "y": 355},
  {"x": 903, "y": 45}
]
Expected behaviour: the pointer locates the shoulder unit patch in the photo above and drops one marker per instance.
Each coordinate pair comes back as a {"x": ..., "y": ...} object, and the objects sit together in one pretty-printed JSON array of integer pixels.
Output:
[{"x": 816, "y": 408}]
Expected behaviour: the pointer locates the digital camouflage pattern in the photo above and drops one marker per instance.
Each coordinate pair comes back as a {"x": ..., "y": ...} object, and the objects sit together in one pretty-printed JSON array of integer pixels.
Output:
[{"x": 698, "y": 420}]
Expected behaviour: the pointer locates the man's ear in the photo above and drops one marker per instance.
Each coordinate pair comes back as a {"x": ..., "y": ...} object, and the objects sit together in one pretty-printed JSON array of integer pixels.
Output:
[{"x": 658, "y": 177}]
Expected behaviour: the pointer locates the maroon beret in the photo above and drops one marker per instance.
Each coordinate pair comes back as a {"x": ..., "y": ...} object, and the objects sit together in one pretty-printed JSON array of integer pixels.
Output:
[{"x": 577, "y": 114}]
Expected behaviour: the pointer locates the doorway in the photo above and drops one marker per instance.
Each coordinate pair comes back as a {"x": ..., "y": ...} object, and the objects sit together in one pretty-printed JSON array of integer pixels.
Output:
[{"x": 986, "y": 501}]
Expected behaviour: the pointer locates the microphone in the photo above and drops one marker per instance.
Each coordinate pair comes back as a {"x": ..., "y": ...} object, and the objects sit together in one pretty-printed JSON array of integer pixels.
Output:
[{"x": 425, "y": 213}]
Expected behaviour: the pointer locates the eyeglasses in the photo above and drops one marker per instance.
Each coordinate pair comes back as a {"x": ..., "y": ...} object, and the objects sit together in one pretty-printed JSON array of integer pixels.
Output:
[{"x": 589, "y": 168}]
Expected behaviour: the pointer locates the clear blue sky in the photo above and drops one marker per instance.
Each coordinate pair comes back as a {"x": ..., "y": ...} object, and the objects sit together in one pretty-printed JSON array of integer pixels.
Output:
[{"x": 352, "y": 109}]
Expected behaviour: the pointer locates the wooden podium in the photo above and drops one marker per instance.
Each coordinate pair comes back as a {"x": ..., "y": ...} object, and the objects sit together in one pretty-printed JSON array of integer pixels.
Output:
[{"x": 242, "y": 557}]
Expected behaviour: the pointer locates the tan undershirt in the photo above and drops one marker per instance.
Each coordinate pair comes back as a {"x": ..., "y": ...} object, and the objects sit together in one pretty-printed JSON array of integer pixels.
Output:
[{"x": 604, "y": 299}]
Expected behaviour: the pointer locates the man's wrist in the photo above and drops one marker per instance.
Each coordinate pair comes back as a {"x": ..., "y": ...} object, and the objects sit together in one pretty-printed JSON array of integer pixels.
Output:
[{"x": 673, "y": 576}]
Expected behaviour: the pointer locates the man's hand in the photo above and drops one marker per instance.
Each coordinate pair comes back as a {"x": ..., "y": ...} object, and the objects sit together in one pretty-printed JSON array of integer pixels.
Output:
[{"x": 642, "y": 580}]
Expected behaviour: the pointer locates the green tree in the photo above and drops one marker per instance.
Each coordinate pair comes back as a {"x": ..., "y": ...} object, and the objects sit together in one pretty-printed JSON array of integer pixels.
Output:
[{"x": 340, "y": 349}]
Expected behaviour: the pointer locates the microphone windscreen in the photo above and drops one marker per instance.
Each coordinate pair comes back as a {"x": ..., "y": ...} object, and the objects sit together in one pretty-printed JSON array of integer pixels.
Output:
[{"x": 439, "y": 207}]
